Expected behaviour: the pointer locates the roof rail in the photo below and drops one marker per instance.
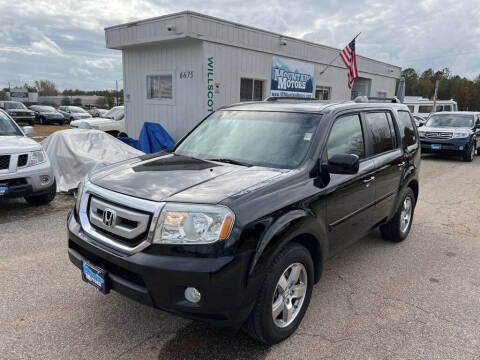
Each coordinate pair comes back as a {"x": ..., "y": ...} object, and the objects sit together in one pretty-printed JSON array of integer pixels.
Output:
[
  {"x": 372, "y": 99},
  {"x": 276, "y": 98}
]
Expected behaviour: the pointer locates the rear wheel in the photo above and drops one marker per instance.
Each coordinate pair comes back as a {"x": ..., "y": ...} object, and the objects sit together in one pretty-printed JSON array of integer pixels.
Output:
[
  {"x": 398, "y": 227},
  {"x": 41, "y": 120},
  {"x": 284, "y": 296},
  {"x": 43, "y": 199}
]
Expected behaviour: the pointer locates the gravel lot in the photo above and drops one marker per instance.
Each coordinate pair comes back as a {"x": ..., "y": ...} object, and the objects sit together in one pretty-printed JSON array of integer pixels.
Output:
[{"x": 416, "y": 300}]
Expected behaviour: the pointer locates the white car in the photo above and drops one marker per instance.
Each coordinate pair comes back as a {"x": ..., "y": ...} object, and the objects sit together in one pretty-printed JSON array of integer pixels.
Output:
[
  {"x": 25, "y": 170},
  {"x": 113, "y": 122}
]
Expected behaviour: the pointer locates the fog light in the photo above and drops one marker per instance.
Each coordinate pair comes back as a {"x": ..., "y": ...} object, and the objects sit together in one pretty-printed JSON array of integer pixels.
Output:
[
  {"x": 460, "y": 148},
  {"x": 192, "y": 295},
  {"x": 44, "y": 179}
]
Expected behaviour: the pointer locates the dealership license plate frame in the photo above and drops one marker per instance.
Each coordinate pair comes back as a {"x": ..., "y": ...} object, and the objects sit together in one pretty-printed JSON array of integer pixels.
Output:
[
  {"x": 95, "y": 276},
  {"x": 436, "y": 147},
  {"x": 3, "y": 189}
]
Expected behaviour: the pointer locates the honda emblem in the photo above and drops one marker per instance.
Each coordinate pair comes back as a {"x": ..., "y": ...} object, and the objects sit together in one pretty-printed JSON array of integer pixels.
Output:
[{"x": 109, "y": 217}]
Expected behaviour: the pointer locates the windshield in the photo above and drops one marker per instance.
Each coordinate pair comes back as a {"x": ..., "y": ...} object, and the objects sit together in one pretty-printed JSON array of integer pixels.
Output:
[
  {"x": 44, "y": 109},
  {"x": 14, "y": 105},
  {"x": 76, "y": 109},
  {"x": 7, "y": 126},
  {"x": 272, "y": 139},
  {"x": 116, "y": 113},
  {"x": 450, "y": 120}
]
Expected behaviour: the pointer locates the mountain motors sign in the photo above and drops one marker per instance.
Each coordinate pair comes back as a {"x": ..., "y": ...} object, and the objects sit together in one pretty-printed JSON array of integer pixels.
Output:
[{"x": 292, "y": 78}]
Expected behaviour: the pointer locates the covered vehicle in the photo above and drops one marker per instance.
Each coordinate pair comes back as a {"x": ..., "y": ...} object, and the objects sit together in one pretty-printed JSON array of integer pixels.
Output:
[
  {"x": 113, "y": 122},
  {"x": 47, "y": 115},
  {"x": 95, "y": 112},
  {"x": 74, "y": 153}
]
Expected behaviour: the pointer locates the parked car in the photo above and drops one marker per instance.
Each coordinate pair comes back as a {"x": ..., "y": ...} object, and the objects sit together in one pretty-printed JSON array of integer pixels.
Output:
[
  {"x": 419, "y": 120},
  {"x": 18, "y": 111},
  {"x": 234, "y": 225},
  {"x": 71, "y": 113},
  {"x": 456, "y": 133},
  {"x": 25, "y": 170},
  {"x": 113, "y": 122},
  {"x": 47, "y": 115},
  {"x": 95, "y": 112}
]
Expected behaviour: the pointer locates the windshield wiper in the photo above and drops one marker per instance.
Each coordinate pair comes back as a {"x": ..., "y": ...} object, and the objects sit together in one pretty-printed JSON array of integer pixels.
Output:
[{"x": 229, "y": 161}]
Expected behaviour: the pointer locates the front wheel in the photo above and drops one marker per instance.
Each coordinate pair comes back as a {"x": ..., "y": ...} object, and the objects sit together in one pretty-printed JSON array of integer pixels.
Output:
[
  {"x": 284, "y": 296},
  {"x": 469, "y": 153},
  {"x": 398, "y": 227},
  {"x": 41, "y": 121},
  {"x": 43, "y": 199}
]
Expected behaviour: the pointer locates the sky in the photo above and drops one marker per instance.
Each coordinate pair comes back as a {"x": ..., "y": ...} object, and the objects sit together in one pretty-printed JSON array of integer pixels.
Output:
[{"x": 64, "y": 41}]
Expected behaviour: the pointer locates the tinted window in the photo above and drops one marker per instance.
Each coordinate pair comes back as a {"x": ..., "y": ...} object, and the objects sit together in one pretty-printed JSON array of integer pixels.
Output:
[
  {"x": 407, "y": 131},
  {"x": 381, "y": 132},
  {"x": 346, "y": 137}
]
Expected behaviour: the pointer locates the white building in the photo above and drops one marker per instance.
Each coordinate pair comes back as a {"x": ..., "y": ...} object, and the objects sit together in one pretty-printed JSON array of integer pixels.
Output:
[
  {"x": 177, "y": 68},
  {"x": 22, "y": 95}
]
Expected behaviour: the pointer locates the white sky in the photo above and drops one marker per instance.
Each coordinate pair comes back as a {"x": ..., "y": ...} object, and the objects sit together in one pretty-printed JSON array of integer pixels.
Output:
[{"x": 64, "y": 40}]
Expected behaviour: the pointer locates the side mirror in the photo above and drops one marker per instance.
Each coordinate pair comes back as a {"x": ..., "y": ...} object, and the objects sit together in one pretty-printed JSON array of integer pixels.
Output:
[
  {"x": 346, "y": 164},
  {"x": 28, "y": 130}
]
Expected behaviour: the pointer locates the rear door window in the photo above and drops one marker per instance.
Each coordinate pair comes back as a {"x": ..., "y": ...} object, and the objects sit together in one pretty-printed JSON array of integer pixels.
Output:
[
  {"x": 346, "y": 137},
  {"x": 407, "y": 131},
  {"x": 380, "y": 132}
]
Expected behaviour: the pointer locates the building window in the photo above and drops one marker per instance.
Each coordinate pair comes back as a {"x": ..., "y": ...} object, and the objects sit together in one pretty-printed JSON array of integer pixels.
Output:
[
  {"x": 323, "y": 93},
  {"x": 251, "y": 90},
  {"x": 160, "y": 86}
]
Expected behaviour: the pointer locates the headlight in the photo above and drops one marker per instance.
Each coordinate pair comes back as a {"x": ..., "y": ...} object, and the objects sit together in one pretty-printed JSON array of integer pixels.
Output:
[
  {"x": 193, "y": 224},
  {"x": 461, "y": 134},
  {"x": 37, "y": 157},
  {"x": 79, "y": 196}
]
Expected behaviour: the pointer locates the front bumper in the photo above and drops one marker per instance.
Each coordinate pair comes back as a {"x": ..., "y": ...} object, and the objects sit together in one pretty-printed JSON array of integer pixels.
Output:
[
  {"x": 23, "y": 118},
  {"x": 160, "y": 280},
  {"x": 455, "y": 145},
  {"x": 27, "y": 181}
]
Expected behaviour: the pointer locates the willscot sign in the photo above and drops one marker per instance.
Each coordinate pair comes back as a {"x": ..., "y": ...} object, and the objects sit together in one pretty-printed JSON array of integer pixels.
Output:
[{"x": 292, "y": 78}]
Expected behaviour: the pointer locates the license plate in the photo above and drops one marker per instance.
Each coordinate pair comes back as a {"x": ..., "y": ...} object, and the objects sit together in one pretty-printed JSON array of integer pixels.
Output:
[
  {"x": 3, "y": 189},
  {"x": 95, "y": 276},
  {"x": 436, "y": 147}
]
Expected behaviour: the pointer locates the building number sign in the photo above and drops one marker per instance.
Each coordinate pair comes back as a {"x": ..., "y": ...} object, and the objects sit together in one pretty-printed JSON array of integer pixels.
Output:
[{"x": 186, "y": 75}]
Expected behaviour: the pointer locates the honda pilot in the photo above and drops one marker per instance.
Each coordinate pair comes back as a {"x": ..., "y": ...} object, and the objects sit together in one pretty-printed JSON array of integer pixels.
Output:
[{"x": 234, "y": 224}]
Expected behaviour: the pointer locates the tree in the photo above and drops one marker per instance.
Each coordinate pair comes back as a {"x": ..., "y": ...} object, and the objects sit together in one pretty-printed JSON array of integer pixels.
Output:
[
  {"x": 77, "y": 102},
  {"x": 110, "y": 100},
  {"x": 65, "y": 101},
  {"x": 46, "y": 88},
  {"x": 100, "y": 102}
]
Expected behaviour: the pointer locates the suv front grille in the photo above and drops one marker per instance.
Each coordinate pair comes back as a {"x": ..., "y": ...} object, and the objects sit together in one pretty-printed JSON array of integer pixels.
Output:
[
  {"x": 22, "y": 160},
  {"x": 125, "y": 225},
  {"x": 438, "y": 135},
  {"x": 4, "y": 162}
]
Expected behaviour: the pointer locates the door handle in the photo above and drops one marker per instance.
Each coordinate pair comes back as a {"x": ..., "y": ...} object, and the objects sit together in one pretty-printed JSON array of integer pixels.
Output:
[
  {"x": 402, "y": 164},
  {"x": 368, "y": 181}
]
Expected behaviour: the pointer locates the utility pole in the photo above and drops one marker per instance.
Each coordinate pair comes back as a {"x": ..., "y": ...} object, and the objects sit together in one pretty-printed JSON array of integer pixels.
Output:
[
  {"x": 434, "y": 109},
  {"x": 116, "y": 91}
]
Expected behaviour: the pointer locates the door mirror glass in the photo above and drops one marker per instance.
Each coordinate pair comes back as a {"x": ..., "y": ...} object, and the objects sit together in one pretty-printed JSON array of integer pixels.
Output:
[{"x": 343, "y": 164}]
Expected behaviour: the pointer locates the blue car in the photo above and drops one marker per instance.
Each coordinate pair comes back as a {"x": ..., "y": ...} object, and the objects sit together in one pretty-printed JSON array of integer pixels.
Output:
[{"x": 456, "y": 133}]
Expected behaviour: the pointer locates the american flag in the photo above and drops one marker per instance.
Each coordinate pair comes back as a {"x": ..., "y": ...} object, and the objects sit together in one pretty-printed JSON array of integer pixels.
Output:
[{"x": 349, "y": 58}]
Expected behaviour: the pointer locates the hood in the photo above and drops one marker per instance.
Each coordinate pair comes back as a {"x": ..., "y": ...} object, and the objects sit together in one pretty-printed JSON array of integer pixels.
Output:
[
  {"x": 92, "y": 121},
  {"x": 444, "y": 129},
  {"x": 184, "y": 179},
  {"x": 14, "y": 111},
  {"x": 16, "y": 144}
]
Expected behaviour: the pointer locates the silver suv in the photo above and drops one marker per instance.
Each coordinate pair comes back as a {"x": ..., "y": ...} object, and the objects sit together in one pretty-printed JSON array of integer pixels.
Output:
[{"x": 25, "y": 170}]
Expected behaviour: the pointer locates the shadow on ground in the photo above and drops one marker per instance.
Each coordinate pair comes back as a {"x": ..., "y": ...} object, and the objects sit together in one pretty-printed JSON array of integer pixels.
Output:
[
  {"x": 199, "y": 341},
  {"x": 11, "y": 209}
]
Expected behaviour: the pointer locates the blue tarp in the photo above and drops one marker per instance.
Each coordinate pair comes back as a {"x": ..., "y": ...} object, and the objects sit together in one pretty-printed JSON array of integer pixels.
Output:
[{"x": 153, "y": 138}]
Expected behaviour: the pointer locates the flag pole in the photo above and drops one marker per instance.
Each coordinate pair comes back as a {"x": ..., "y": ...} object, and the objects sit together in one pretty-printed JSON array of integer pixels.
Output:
[{"x": 335, "y": 58}]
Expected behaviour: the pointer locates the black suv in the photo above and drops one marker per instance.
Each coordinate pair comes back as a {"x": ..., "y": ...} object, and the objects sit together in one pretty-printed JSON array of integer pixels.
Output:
[
  {"x": 18, "y": 112},
  {"x": 233, "y": 225}
]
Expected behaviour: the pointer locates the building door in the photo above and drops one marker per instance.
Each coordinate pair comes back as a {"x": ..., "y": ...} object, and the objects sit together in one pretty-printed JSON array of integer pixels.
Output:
[{"x": 361, "y": 87}]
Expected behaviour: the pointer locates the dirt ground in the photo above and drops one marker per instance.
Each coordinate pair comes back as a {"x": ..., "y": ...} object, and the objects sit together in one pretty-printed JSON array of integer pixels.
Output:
[{"x": 42, "y": 131}]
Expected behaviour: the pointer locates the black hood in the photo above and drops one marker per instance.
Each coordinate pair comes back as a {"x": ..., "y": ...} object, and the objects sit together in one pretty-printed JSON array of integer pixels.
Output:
[{"x": 179, "y": 178}]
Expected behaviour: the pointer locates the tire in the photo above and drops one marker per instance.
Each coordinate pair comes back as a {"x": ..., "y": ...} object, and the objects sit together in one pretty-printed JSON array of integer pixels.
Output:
[
  {"x": 395, "y": 230},
  {"x": 61, "y": 122},
  {"x": 43, "y": 199},
  {"x": 41, "y": 120},
  {"x": 469, "y": 153},
  {"x": 261, "y": 324},
  {"x": 122, "y": 134},
  {"x": 31, "y": 122}
]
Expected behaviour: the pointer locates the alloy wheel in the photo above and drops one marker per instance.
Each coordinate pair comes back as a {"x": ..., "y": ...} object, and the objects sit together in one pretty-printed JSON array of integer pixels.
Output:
[
  {"x": 406, "y": 214},
  {"x": 289, "y": 295}
]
